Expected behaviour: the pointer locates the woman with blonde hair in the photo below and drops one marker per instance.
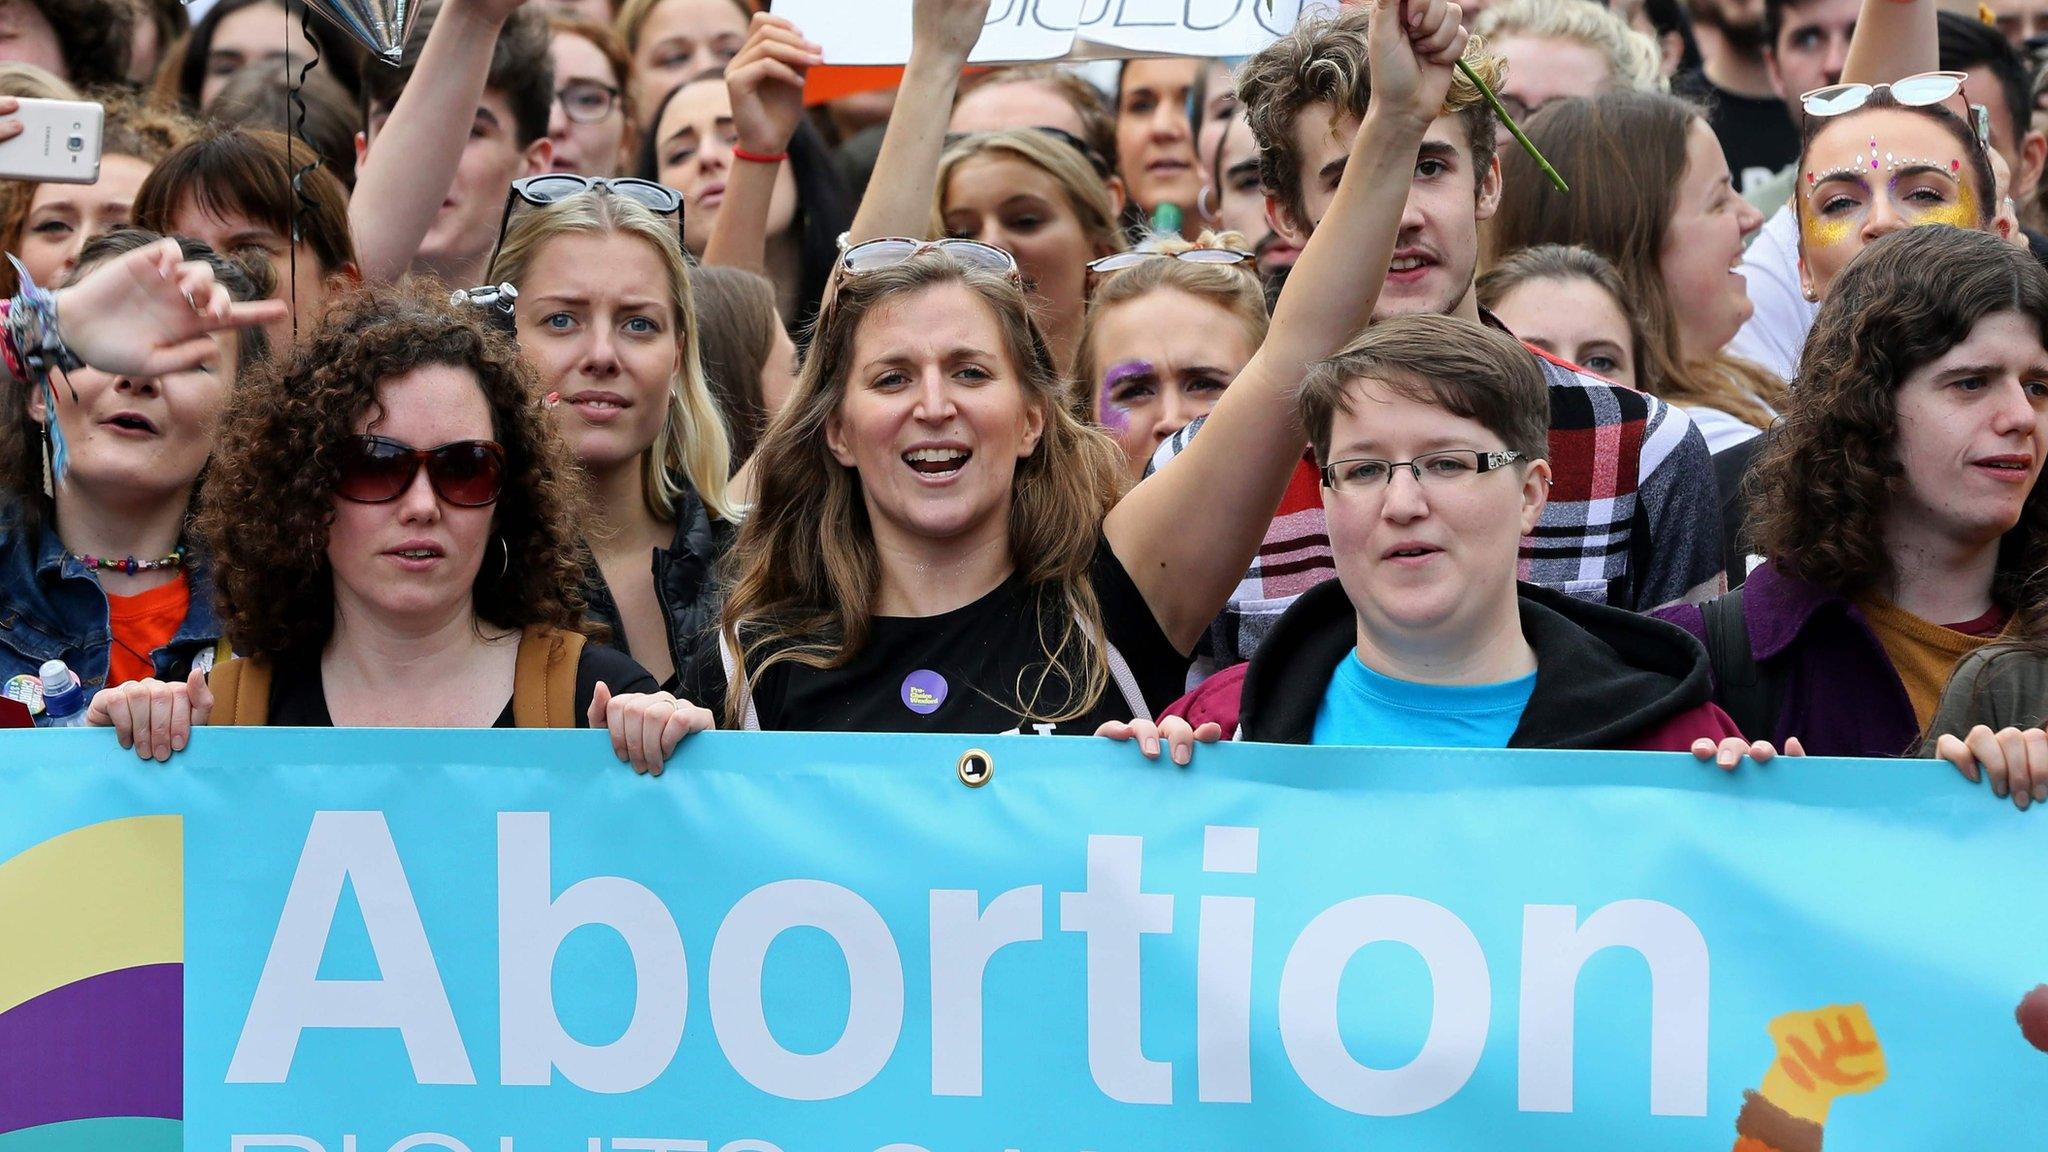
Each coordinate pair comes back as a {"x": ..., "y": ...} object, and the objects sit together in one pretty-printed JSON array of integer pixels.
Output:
[
  {"x": 1035, "y": 195},
  {"x": 605, "y": 314},
  {"x": 1169, "y": 327}
]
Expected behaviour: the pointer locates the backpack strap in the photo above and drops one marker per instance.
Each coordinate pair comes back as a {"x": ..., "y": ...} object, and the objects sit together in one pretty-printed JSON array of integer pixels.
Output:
[
  {"x": 241, "y": 692},
  {"x": 1127, "y": 683},
  {"x": 1751, "y": 695},
  {"x": 544, "y": 679}
]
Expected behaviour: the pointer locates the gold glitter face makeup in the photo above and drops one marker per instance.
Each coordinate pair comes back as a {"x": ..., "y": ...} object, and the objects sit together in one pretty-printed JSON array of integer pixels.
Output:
[{"x": 1886, "y": 169}]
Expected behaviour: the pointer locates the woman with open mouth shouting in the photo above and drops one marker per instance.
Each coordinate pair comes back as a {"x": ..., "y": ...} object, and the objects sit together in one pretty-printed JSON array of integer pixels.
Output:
[
  {"x": 941, "y": 544},
  {"x": 99, "y": 470}
]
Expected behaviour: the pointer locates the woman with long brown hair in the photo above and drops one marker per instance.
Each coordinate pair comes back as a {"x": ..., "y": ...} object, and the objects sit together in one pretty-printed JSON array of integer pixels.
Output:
[
  {"x": 1651, "y": 193},
  {"x": 941, "y": 545},
  {"x": 1896, "y": 504}
]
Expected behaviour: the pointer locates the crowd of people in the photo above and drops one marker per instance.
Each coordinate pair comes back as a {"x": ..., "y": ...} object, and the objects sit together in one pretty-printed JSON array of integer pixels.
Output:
[{"x": 575, "y": 371}]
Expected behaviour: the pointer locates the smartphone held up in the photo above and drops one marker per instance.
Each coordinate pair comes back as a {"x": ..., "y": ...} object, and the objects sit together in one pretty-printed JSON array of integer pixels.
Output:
[{"x": 59, "y": 142}]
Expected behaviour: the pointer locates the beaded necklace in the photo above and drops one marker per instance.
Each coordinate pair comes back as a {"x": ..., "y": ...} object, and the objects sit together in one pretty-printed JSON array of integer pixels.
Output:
[{"x": 129, "y": 565}]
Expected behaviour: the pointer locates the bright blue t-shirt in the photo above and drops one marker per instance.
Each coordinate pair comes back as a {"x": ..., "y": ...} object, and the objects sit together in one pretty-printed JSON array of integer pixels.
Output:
[{"x": 1363, "y": 707}]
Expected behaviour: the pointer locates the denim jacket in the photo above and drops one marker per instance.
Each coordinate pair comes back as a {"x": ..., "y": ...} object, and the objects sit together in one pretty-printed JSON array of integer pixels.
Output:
[{"x": 52, "y": 608}]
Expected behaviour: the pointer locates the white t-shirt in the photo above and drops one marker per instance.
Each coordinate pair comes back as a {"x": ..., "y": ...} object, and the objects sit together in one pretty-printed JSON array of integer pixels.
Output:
[
  {"x": 1776, "y": 332},
  {"x": 1721, "y": 430}
]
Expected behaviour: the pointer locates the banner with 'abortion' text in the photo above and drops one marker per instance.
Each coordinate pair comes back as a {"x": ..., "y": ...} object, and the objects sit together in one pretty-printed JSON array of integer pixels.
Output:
[{"x": 508, "y": 942}]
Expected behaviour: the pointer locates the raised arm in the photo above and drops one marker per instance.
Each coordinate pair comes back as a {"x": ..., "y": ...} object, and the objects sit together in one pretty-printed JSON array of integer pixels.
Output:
[
  {"x": 406, "y": 172},
  {"x": 1893, "y": 39},
  {"x": 766, "y": 81},
  {"x": 1231, "y": 477},
  {"x": 943, "y": 33}
]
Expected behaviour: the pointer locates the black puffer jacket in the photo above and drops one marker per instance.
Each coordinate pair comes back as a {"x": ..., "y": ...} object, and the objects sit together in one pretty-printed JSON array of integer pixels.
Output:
[{"x": 684, "y": 583}]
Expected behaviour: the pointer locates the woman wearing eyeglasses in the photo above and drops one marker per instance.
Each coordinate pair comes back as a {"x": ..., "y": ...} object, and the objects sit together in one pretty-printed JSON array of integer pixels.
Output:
[
  {"x": 1168, "y": 329},
  {"x": 592, "y": 121},
  {"x": 395, "y": 547},
  {"x": 605, "y": 316}
]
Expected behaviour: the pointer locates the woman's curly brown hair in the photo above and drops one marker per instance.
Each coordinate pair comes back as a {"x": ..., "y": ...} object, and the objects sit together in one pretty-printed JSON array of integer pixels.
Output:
[
  {"x": 270, "y": 498},
  {"x": 1819, "y": 492}
]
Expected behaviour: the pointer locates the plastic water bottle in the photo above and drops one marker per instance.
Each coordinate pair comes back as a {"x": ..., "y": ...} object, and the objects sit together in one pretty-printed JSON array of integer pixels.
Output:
[{"x": 63, "y": 697}]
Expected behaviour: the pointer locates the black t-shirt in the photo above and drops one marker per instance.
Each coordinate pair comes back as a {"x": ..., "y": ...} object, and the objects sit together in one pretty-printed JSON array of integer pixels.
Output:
[
  {"x": 298, "y": 696},
  {"x": 1757, "y": 135},
  {"x": 976, "y": 669}
]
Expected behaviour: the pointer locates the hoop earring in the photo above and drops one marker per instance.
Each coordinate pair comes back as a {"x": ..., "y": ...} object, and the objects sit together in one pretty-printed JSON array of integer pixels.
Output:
[
  {"x": 504, "y": 558},
  {"x": 1212, "y": 214}
]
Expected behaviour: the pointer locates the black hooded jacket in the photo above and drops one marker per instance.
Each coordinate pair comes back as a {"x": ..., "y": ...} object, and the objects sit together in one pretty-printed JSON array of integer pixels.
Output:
[{"x": 1605, "y": 678}]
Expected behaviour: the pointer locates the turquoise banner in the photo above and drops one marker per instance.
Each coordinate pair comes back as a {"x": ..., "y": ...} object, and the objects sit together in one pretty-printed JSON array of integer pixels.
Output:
[{"x": 468, "y": 941}]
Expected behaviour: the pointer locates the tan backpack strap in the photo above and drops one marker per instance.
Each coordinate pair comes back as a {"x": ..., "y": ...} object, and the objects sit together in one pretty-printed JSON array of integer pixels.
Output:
[
  {"x": 544, "y": 680},
  {"x": 241, "y": 692}
]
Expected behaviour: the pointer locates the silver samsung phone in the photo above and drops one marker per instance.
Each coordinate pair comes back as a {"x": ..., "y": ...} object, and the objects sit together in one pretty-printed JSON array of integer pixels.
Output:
[{"x": 59, "y": 143}]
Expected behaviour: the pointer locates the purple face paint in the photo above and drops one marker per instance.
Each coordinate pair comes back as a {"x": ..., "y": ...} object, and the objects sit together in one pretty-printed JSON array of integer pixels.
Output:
[{"x": 1114, "y": 416}]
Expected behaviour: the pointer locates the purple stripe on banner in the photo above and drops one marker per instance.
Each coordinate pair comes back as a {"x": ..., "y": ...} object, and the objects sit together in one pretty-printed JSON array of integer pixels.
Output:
[{"x": 108, "y": 1045}]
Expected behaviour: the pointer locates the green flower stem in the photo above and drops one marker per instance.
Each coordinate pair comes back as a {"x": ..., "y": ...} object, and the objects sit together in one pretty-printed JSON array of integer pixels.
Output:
[{"x": 1514, "y": 129}]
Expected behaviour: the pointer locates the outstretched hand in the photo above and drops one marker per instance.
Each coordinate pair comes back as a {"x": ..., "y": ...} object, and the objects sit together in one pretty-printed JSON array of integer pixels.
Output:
[
  {"x": 766, "y": 83},
  {"x": 151, "y": 312},
  {"x": 947, "y": 28}
]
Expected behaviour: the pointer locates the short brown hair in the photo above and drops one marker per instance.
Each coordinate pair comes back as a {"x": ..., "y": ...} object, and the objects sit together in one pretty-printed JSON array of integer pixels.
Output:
[
  {"x": 1323, "y": 61},
  {"x": 269, "y": 99},
  {"x": 1464, "y": 368},
  {"x": 1820, "y": 490},
  {"x": 269, "y": 497},
  {"x": 250, "y": 173}
]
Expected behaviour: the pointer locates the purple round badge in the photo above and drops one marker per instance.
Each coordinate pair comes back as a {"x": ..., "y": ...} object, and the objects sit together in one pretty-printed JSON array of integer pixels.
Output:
[{"x": 923, "y": 691}]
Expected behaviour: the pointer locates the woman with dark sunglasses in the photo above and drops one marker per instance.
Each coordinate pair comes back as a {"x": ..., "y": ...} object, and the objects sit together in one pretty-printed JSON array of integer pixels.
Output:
[{"x": 393, "y": 530}]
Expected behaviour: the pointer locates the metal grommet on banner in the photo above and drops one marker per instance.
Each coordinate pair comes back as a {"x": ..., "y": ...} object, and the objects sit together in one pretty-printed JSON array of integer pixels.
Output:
[{"x": 976, "y": 767}]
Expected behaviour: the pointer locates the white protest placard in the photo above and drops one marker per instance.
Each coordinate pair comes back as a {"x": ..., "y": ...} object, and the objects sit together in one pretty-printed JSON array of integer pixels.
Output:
[
  {"x": 1021, "y": 31},
  {"x": 1213, "y": 28},
  {"x": 878, "y": 31}
]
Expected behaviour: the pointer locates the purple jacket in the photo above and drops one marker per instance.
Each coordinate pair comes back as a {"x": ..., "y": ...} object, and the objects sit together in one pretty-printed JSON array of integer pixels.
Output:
[{"x": 1842, "y": 696}]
